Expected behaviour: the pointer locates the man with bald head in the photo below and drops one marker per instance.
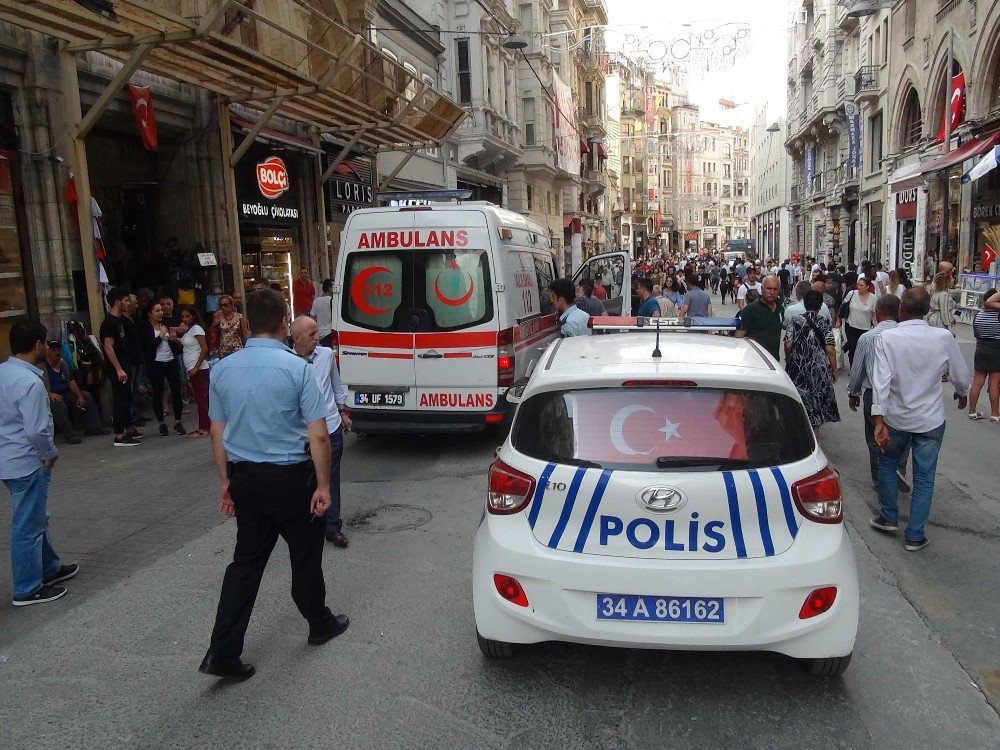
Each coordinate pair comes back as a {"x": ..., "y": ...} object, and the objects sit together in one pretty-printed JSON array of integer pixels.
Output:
[
  {"x": 305, "y": 341},
  {"x": 761, "y": 320},
  {"x": 909, "y": 411}
]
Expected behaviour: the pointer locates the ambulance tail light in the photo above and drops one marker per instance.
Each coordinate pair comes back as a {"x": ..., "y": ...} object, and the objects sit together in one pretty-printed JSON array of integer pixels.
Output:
[
  {"x": 505, "y": 358},
  {"x": 818, "y": 497},
  {"x": 510, "y": 589},
  {"x": 510, "y": 491},
  {"x": 335, "y": 345}
]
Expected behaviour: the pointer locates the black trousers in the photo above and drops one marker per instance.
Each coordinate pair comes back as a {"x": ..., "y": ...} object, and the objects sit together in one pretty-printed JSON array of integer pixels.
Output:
[
  {"x": 270, "y": 501},
  {"x": 122, "y": 397},
  {"x": 853, "y": 334},
  {"x": 158, "y": 371}
]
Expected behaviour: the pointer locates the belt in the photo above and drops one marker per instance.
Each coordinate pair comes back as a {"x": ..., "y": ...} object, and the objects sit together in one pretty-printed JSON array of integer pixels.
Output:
[{"x": 259, "y": 468}]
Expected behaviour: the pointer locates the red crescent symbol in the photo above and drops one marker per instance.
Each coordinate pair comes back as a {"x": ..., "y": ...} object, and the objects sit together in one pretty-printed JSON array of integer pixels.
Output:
[
  {"x": 357, "y": 295},
  {"x": 454, "y": 302}
]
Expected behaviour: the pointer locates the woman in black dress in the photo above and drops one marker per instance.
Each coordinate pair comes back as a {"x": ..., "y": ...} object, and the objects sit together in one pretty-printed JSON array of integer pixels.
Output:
[
  {"x": 986, "y": 328},
  {"x": 811, "y": 361}
]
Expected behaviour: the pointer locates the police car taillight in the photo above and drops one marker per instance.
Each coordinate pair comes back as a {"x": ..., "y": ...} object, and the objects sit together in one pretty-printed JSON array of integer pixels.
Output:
[
  {"x": 505, "y": 358},
  {"x": 818, "y": 497},
  {"x": 510, "y": 490}
]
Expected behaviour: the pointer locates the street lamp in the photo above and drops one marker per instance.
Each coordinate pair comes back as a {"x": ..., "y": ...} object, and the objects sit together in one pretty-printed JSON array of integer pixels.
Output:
[
  {"x": 516, "y": 43},
  {"x": 774, "y": 128}
]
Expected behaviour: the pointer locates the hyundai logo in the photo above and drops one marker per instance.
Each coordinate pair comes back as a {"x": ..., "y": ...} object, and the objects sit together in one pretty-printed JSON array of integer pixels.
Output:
[{"x": 661, "y": 499}]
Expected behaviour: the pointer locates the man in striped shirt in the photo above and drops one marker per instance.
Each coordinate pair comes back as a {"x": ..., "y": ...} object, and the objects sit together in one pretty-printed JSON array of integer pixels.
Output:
[{"x": 860, "y": 385}]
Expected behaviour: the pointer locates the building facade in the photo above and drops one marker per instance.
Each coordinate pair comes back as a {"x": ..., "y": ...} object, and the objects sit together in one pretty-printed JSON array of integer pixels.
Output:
[{"x": 769, "y": 187}]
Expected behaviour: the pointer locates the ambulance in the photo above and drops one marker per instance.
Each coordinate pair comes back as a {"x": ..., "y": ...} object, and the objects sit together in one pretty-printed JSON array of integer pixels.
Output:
[{"x": 439, "y": 309}]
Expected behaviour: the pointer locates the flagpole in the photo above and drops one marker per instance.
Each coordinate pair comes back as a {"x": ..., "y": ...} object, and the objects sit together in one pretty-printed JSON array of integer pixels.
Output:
[{"x": 945, "y": 182}]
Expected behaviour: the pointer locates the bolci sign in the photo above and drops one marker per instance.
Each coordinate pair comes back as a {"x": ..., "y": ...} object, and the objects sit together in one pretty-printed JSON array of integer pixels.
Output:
[
  {"x": 266, "y": 187},
  {"x": 272, "y": 177}
]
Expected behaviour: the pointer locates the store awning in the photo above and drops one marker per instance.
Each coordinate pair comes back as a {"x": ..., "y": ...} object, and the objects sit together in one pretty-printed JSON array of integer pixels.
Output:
[
  {"x": 968, "y": 150},
  {"x": 276, "y": 136},
  {"x": 572, "y": 223},
  {"x": 906, "y": 177},
  {"x": 288, "y": 59},
  {"x": 601, "y": 151},
  {"x": 584, "y": 148}
]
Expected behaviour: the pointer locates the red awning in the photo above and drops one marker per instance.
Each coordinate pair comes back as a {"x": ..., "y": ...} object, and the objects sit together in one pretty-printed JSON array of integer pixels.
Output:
[
  {"x": 275, "y": 135},
  {"x": 968, "y": 150},
  {"x": 601, "y": 151},
  {"x": 572, "y": 223},
  {"x": 584, "y": 148}
]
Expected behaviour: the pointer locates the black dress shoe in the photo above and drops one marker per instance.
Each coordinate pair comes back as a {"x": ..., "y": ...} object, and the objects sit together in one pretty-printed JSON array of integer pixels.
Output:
[
  {"x": 227, "y": 667},
  {"x": 337, "y": 538},
  {"x": 331, "y": 629}
]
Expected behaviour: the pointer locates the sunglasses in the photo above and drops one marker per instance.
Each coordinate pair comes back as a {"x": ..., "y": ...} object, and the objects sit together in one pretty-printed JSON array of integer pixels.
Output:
[{"x": 225, "y": 304}]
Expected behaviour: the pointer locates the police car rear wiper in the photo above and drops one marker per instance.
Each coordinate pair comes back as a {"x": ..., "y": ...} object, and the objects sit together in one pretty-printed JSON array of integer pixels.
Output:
[{"x": 672, "y": 462}]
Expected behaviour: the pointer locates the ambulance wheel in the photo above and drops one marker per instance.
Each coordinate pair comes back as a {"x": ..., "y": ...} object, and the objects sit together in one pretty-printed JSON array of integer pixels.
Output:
[
  {"x": 495, "y": 649},
  {"x": 833, "y": 666}
]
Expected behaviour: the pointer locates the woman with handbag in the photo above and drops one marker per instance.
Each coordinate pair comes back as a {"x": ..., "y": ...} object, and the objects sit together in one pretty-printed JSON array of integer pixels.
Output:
[
  {"x": 810, "y": 360},
  {"x": 986, "y": 363},
  {"x": 161, "y": 364},
  {"x": 857, "y": 312}
]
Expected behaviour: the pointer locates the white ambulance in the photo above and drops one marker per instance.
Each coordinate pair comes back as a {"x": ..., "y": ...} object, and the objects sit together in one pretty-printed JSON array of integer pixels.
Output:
[{"x": 439, "y": 309}]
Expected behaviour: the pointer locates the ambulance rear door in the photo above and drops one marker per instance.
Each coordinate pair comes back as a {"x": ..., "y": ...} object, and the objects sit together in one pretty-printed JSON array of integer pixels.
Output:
[
  {"x": 456, "y": 277},
  {"x": 614, "y": 272},
  {"x": 374, "y": 313}
]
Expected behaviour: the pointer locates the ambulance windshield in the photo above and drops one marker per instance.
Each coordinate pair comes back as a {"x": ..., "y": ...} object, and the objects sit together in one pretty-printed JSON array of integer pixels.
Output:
[
  {"x": 697, "y": 429},
  {"x": 418, "y": 290}
]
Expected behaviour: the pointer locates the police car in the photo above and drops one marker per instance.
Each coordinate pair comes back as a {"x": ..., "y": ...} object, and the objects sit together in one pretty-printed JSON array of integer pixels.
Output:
[{"x": 677, "y": 501}]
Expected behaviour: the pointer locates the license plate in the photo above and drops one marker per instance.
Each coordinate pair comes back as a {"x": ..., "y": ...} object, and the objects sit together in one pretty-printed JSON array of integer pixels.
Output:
[
  {"x": 379, "y": 399},
  {"x": 659, "y": 608}
]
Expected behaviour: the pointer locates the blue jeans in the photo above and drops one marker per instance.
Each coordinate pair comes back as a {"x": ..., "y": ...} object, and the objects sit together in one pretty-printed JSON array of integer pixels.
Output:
[
  {"x": 924, "y": 447},
  {"x": 333, "y": 520},
  {"x": 31, "y": 555}
]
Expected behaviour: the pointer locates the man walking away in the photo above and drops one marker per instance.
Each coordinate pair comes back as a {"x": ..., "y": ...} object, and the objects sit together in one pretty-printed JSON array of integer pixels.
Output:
[
  {"x": 586, "y": 300},
  {"x": 572, "y": 320},
  {"x": 268, "y": 421},
  {"x": 761, "y": 319},
  {"x": 908, "y": 409},
  {"x": 697, "y": 302},
  {"x": 305, "y": 339},
  {"x": 114, "y": 347},
  {"x": 27, "y": 455},
  {"x": 860, "y": 387},
  {"x": 322, "y": 312}
]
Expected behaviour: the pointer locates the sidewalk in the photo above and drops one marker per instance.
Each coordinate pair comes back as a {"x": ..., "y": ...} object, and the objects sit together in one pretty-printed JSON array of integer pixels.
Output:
[{"x": 115, "y": 510}]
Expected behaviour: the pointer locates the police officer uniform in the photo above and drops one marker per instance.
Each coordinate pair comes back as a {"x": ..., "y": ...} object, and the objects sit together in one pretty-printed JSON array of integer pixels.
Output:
[{"x": 266, "y": 396}]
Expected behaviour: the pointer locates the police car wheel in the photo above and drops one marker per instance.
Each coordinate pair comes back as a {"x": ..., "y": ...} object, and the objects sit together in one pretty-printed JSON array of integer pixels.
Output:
[
  {"x": 830, "y": 667},
  {"x": 495, "y": 649}
]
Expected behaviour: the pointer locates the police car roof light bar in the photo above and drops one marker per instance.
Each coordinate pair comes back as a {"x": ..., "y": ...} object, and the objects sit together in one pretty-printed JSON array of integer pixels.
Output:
[{"x": 671, "y": 325}]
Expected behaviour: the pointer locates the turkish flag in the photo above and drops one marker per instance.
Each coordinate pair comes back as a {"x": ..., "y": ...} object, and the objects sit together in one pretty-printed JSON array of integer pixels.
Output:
[
  {"x": 642, "y": 425},
  {"x": 989, "y": 257},
  {"x": 145, "y": 117},
  {"x": 957, "y": 108}
]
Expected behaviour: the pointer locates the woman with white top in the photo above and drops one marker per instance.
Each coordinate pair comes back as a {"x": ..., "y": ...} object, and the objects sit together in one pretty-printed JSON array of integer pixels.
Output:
[
  {"x": 195, "y": 355},
  {"x": 895, "y": 286},
  {"x": 861, "y": 311},
  {"x": 161, "y": 365}
]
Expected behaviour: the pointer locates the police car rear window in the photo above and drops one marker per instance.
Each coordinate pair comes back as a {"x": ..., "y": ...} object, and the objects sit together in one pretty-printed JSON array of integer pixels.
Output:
[
  {"x": 666, "y": 429},
  {"x": 417, "y": 290}
]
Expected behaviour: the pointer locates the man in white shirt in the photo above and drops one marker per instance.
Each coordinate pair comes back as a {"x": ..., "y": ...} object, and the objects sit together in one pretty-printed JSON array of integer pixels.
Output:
[
  {"x": 305, "y": 338},
  {"x": 751, "y": 283},
  {"x": 322, "y": 313},
  {"x": 881, "y": 281},
  {"x": 908, "y": 410},
  {"x": 799, "y": 308},
  {"x": 572, "y": 320}
]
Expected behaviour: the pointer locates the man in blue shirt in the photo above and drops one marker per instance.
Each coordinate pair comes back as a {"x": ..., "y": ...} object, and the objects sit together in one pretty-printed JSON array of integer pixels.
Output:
[
  {"x": 27, "y": 455},
  {"x": 272, "y": 450},
  {"x": 648, "y": 306},
  {"x": 572, "y": 320}
]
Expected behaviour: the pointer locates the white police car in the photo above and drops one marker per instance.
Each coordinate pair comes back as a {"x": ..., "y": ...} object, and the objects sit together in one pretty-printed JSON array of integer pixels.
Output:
[{"x": 676, "y": 502}]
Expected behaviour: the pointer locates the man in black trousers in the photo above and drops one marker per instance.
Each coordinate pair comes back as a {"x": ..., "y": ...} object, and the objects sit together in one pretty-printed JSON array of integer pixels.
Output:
[{"x": 269, "y": 437}]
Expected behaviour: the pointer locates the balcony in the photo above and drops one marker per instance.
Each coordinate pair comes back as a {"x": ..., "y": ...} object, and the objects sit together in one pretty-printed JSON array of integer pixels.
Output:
[
  {"x": 591, "y": 123},
  {"x": 486, "y": 138},
  {"x": 595, "y": 181},
  {"x": 867, "y": 83},
  {"x": 816, "y": 186}
]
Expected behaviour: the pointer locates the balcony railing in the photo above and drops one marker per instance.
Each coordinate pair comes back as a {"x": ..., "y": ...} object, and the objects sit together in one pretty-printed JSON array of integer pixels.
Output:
[{"x": 867, "y": 80}]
